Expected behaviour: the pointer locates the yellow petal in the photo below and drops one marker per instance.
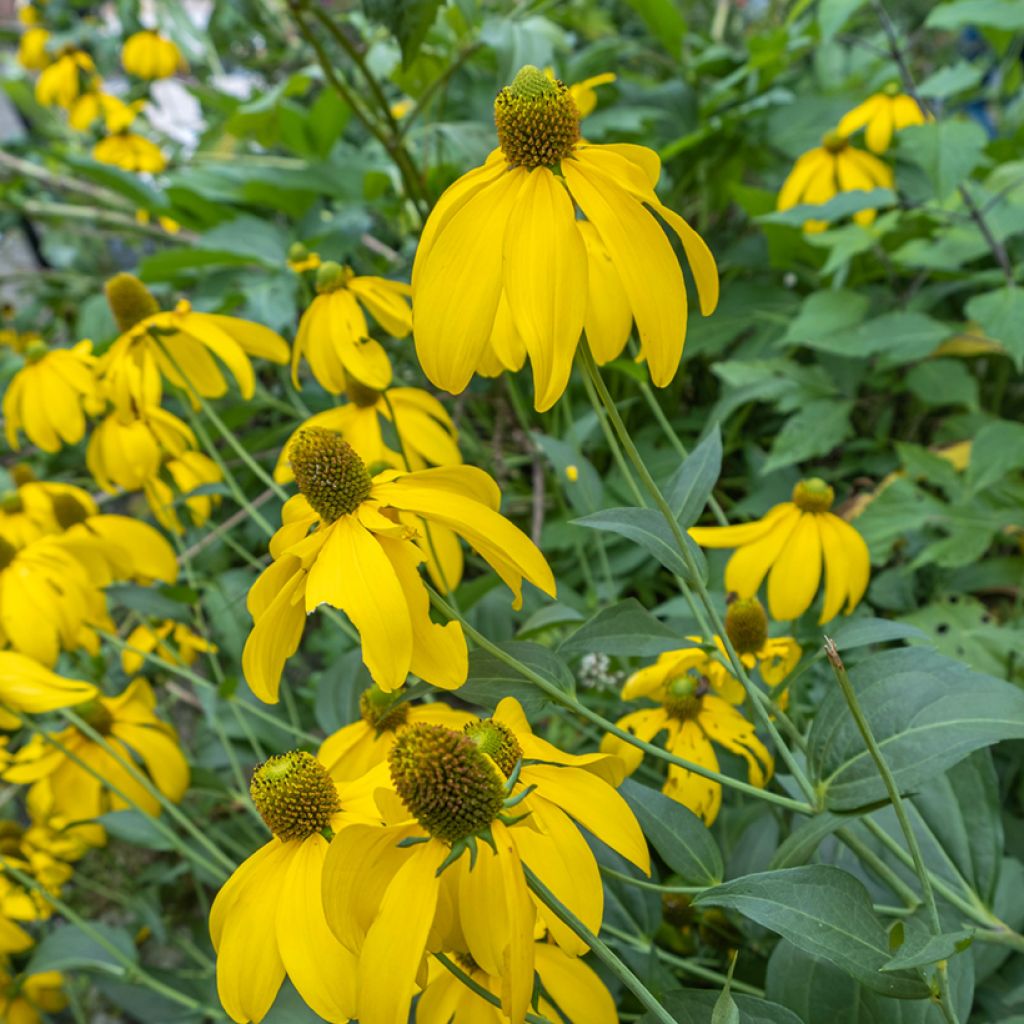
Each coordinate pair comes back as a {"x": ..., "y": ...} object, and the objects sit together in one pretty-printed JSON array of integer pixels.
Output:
[
  {"x": 609, "y": 318},
  {"x": 575, "y": 988},
  {"x": 796, "y": 572},
  {"x": 727, "y": 727},
  {"x": 858, "y": 560},
  {"x": 748, "y": 566},
  {"x": 738, "y": 536},
  {"x": 837, "y": 570},
  {"x": 702, "y": 796}
]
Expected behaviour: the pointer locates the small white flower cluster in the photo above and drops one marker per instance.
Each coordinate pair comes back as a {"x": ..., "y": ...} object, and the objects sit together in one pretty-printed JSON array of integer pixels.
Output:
[{"x": 596, "y": 673}]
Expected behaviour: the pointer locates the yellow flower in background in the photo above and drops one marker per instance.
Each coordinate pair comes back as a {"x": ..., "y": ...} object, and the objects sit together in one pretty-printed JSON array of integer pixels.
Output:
[
  {"x": 129, "y": 726},
  {"x": 333, "y": 336},
  {"x": 882, "y": 114},
  {"x": 18, "y": 341},
  {"x": 570, "y": 985},
  {"x": 697, "y": 700},
  {"x": 789, "y": 544},
  {"x": 187, "y": 472},
  {"x": 268, "y": 919},
  {"x": 28, "y": 687},
  {"x": 584, "y": 94},
  {"x": 169, "y": 224},
  {"x": 448, "y": 872},
  {"x": 150, "y": 55},
  {"x": 94, "y": 106},
  {"x": 356, "y": 748},
  {"x": 17, "y": 907},
  {"x": 746, "y": 625},
  {"x": 62, "y": 82},
  {"x": 32, "y": 53},
  {"x": 170, "y": 640},
  {"x": 300, "y": 259},
  {"x": 180, "y": 345},
  {"x": 47, "y": 398},
  {"x": 36, "y": 508},
  {"x": 127, "y": 451},
  {"x": 420, "y": 420},
  {"x": 502, "y": 261},
  {"x": 833, "y": 167},
  {"x": 24, "y": 998},
  {"x": 362, "y": 560},
  {"x": 130, "y": 152}
]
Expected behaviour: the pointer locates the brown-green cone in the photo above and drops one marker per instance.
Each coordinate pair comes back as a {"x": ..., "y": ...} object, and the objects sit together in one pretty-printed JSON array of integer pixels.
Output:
[
  {"x": 294, "y": 795},
  {"x": 7, "y": 553},
  {"x": 746, "y": 625},
  {"x": 130, "y": 300},
  {"x": 537, "y": 120},
  {"x": 813, "y": 495},
  {"x": 67, "y": 510},
  {"x": 496, "y": 740},
  {"x": 383, "y": 711},
  {"x": 445, "y": 781},
  {"x": 331, "y": 276},
  {"x": 332, "y": 477},
  {"x": 683, "y": 696},
  {"x": 95, "y": 713},
  {"x": 359, "y": 394}
]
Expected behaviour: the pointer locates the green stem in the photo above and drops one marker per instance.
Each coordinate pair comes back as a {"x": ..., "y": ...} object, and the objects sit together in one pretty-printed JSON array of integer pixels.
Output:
[
  {"x": 600, "y": 949},
  {"x": 864, "y": 727},
  {"x": 475, "y": 986}
]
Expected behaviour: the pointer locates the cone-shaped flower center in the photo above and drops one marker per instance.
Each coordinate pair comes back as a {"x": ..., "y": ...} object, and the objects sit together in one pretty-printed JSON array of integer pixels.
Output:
[
  {"x": 331, "y": 276},
  {"x": 130, "y": 300},
  {"x": 22, "y": 474},
  {"x": 11, "y": 502},
  {"x": 332, "y": 477},
  {"x": 445, "y": 781},
  {"x": 746, "y": 625},
  {"x": 297, "y": 252},
  {"x": 683, "y": 695},
  {"x": 68, "y": 510},
  {"x": 813, "y": 495},
  {"x": 96, "y": 714},
  {"x": 7, "y": 553},
  {"x": 359, "y": 394},
  {"x": 381, "y": 710},
  {"x": 294, "y": 795},
  {"x": 10, "y": 838},
  {"x": 496, "y": 740},
  {"x": 35, "y": 350},
  {"x": 834, "y": 142},
  {"x": 537, "y": 120}
]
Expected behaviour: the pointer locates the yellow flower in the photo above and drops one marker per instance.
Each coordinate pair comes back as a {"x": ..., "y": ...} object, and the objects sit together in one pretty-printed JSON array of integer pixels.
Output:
[
  {"x": 268, "y": 919},
  {"x": 61, "y": 83},
  {"x": 146, "y": 639},
  {"x": 696, "y": 697},
  {"x": 130, "y": 152},
  {"x": 300, "y": 259},
  {"x": 400, "y": 108},
  {"x": 169, "y": 224},
  {"x": 354, "y": 749},
  {"x": 18, "y": 341},
  {"x": 187, "y": 472},
  {"x": 789, "y": 544},
  {"x": 45, "y": 398},
  {"x": 882, "y": 114},
  {"x": 92, "y": 106},
  {"x": 584, "y": 93},
  {"x": 23, "y": 999},
  {"x": 834, "y": 167},
  {"x": 32, "y": 53},
  {"x": 502, "y": 264},
  {"x": 567, "y": 983},
  {"x": 27, "y": 686},
  {"x": 132, "y": 730},
  {"x": 333, "y": 335},
  {"x": 148, "y": 54},
  {"x": 128, "y": 450},
  {"x": 29, "y": 15},
  {"x": 361, "y": 559},
  {"x": 747, "y": 627},
  {"x": 448, "y": 873},
  {"x": 36, "y": 508},
  {"x": 178, "y": 344}
]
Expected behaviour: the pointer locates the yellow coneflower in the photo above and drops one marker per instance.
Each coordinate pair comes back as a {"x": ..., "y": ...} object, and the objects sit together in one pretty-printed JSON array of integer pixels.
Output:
[
  {"x": 63, "y": 81},
  {"x": 333, "y": 336},
  {"x": 833, "y": 167},
  {"x": 26, "y": 686},
  {"x": 697, "y": 700},
  {"x": 48, "y": 397},
  {"x": 268, "y": 919},
  {"x": 360, "y": 559},
  {"x": 172, "y": 641},
  {"x": 93, "y": 106},
  {"x": 354, "y": 749},
  {"x": 300, "y": 259},
  {"x": 129, "y": 726},
  {"x": 35, "y": 508},
  {"x": 180, "y": 345},
  {"x": 449, "y": 872},
  {"x": 882, "y": 114},
  {"x": 185, "y": 473},
  {"x": 25, "y": 998},
  {"x": 32, "y": 53},
  {"x": 502, "y": 263},
  {"x": 148, "y": 54},
  {"x": 789, "y": 544},
  {"x": 131, "y": 152},
  {"x": 584, "y": 94},
  {"x": 747, "y": 627}
]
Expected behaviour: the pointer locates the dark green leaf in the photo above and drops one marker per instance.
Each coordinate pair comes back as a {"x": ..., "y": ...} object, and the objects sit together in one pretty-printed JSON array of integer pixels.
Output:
[
  {"x": 490, "y": 678},
  {"x": 800, "y": 845},
  {"x": 408, "y": 20},
  {"x": 1005, "y": 14},
  {"x": 625, "y": 629},
  {"x": 998, "y": 449},
  {"x": 834, "y": 14},
  {"x": 67, "y": 948},
  {"x": 825, "y": 313},
  {"x": 932, "y": 950},
  {"x": 689, "y": 488},
  {"x": 696, "y": 1006},
  {"x": 136, "y": 828},
  {"x": 846, "y": 204},
  {"x": 851, "y": 633},
  {"x": 815, "y": 430},
  {"x": 664, "y": 20},
  {"x": 947, "y": 151}
]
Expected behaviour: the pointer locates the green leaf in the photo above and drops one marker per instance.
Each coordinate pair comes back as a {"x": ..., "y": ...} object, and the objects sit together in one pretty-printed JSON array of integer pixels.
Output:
[
  {"x": 697, "y": 1006},
  {"x": 944, "y": 382},
  {"x": 851, "y": 633},
  {"x": 825, "y": 313},
  {"x": 136, "y": 828},
  {"x": 680, "y": 837},
  {"x": 725, "y": 1010},
  {"x": 815, "y": 430},
  {"x": 948, "y": 81},
  {"x": 947, "y": 151},
  {"x": 408, "y": 21},
  {"x": 834, "y": 14},
  {"x": 664, "y": 21},
  {"x": 647, "y": 528},
  {"x": 902, "y": 336},
  {"x": 846, "y": 204},
  {"x": 1004, "y": 14},
  {"x": 490, "y": 678},
  {"x": 68, "y": 948},
  {"x": 799, "y": 846},
  {"x": 998, "y": 449},
  {"x": 586, "y": 493},
  {"x": 927, "y": 713},
  {"x": 825, "y": 912},
  {"x": 626, "y": 629},
  {"x": 689, "y": 488},
  {"x": 932, "y": 950},
  {"x": 1001, "y": 315}
]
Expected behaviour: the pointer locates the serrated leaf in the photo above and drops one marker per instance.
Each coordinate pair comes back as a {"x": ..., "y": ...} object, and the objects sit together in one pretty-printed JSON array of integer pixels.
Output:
[
  {"x": 825, "y": 313},
  {"x": 947, "y": 151},
  {"x": 1001, "y": 316},
  {"x": 689, "y": 488},
  {"x": 815, "y": 430},
  {"x": 825, "y": 912},
  {"x": 625, "y": 629}
]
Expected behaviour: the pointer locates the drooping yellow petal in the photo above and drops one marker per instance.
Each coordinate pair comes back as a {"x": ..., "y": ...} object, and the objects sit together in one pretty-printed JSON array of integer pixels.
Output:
[
  {"x": 277, "y": 629},
  {"x": 609, "y": 318},
  {"x": 796, "y": 572},
  {"x": 702, "y": 796},
  {"x": 575, "y": 988},
  {"x": 880, "y": 128},
  {"x": 858, "y": 560},
  {"x": 862, "y": 114},
  {"x": 28, "y": 686},
  {"x": 837, "y": 570},
  {"x": 738, "y": 536},
  {"x": 726, "y": 725},
  {"x": 386, "y": 302},
  {"x": 748, "y": 566}
]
